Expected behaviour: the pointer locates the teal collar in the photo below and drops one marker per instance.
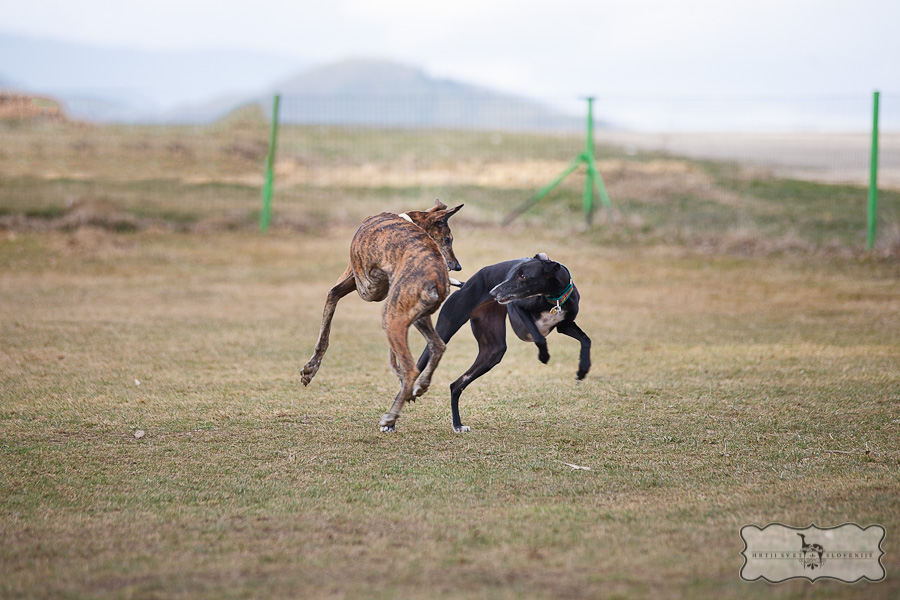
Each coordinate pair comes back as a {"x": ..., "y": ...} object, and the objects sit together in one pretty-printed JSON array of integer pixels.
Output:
[
  {"x": 565, "y": 294},
  {"x": 562, "y": 297}
]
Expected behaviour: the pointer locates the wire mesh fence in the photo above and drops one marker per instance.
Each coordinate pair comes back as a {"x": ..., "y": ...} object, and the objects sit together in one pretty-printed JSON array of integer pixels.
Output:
[
  {"x": 786, "y": 169},
  {"x": 801, "y": 185}
]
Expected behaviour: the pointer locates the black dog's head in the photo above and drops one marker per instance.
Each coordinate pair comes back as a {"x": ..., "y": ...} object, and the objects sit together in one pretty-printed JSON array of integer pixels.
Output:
[{"x": 538, "y": 276}]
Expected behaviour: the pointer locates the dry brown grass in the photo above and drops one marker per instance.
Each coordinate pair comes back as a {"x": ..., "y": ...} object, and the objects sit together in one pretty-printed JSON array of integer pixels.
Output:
[
  {"x": 209, "y": 178},
  {"x": 738, "y": 377},
  {"x": 719, "y": 384}
]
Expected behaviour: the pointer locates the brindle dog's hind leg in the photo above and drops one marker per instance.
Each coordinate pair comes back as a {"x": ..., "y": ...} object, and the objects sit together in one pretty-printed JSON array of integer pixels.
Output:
[
  {"x": 346, "y": 285},
  {"x": 397, "y": 328},
  {"x": 436, "y": 347}
]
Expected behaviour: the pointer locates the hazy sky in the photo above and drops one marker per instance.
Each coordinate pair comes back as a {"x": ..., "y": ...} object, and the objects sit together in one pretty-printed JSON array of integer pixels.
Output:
[{"x": 564, "y": 48}]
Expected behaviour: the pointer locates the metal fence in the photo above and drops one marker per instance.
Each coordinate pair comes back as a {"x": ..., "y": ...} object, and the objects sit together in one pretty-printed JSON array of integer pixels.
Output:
[
  {"x": 743, "y": 171},
  {"x": 789, "y": 169}
]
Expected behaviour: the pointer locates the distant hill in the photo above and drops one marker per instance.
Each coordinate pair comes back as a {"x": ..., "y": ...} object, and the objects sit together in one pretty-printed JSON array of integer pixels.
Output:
[
  {"x": 136, "y": 86},
  {"x": 124, "y": 84},
  {"x": 385, "y": 93},
  {"x": 370, "y": 77}
]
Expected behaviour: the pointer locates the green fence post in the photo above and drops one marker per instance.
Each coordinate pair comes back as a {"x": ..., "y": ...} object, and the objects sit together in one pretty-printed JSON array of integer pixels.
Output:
[
  {"x": 873, "y": 178},
  {"x": 588, "y": 159},
  {"x": 594, "y": 180},
  {"x": 266, "y": 216}
]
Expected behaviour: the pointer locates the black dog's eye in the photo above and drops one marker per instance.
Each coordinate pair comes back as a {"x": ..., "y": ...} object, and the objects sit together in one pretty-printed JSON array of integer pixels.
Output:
[{"x": 523, "y": 276}]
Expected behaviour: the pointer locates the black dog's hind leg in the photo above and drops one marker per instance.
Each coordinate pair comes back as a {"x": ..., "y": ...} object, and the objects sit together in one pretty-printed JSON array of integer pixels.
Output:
[
  {"x": 453, "y": 315},
  {"x": 572, "y": 330},
  {"x": 489, "y": 326},
  {"x": 435, "y": 350}
]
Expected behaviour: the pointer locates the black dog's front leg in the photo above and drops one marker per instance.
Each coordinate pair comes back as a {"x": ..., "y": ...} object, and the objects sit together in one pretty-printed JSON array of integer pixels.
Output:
[
  {"x": 572, "y": 330},
  {"x": 522, "y": 323},
  {"x": 543, "y": 353}
]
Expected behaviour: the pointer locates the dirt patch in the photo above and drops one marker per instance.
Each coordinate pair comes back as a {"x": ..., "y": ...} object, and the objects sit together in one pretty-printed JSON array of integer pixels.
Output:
[
  {"x": 94, "y": 241},
  {"x": 95, "y": 221},
  {"x": 822, "y": 157},
  {"x": 655, "y": 180},
  {"x": 95, "y": 213},
  {"x": 101, "y": 213},
  {"x": 16, "y": 107},
  {"x": 659, "y": 181},
  {"x": 749, "y": 244}
]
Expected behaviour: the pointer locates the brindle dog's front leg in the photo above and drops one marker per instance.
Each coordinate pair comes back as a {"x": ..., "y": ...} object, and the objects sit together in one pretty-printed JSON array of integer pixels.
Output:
[{"x": 344, "y": 287}]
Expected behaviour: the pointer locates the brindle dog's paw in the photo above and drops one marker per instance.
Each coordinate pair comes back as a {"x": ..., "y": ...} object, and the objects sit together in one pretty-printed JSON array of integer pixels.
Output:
[
  {"x": 388, "y": 423},
  {"x": 309, "y": 371}
]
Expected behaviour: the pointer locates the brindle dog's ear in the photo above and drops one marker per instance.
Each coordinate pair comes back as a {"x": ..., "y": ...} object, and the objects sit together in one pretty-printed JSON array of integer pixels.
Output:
[
  {"x": 438, "y": 205},
  {"x": 452, "y": 212}
]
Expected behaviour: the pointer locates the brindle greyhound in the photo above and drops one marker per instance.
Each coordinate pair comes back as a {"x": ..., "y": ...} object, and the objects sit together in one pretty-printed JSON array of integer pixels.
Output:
[
  {"x": 403, "y": 258},
  {"x": 539, "y": 295}
]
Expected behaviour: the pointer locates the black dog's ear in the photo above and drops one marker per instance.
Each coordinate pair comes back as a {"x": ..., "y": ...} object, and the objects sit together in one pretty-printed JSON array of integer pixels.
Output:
[{"x": 563, "y": 271}]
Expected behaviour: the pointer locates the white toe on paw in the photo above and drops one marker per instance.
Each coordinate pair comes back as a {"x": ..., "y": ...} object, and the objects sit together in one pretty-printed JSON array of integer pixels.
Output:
[{"x": 463, "y": 429}]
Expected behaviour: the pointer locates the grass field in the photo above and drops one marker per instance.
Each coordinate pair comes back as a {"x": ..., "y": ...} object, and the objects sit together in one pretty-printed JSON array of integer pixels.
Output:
[
  {"x": 155, "y": 441},
  {"x": 210, "y": 178},
  {"x": 725, "y": 391}
]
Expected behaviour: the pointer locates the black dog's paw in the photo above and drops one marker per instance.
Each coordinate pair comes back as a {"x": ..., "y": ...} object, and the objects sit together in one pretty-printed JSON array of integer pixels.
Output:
[{"x": 543, "y": 354}]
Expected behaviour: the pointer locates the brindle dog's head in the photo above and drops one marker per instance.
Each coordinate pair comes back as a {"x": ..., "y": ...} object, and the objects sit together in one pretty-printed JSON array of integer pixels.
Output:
[
  {"x": 538, "y": 276},
  {"x": 434, "y": 222}
]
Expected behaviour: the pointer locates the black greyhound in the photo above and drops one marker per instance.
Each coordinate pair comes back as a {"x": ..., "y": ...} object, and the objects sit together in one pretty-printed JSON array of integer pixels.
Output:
[{"x": 537, "y": 293}]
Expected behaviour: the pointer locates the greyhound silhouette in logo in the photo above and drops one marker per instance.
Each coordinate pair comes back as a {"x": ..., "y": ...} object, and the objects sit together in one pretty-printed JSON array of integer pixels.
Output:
[{"x": 812, "y": 554}]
